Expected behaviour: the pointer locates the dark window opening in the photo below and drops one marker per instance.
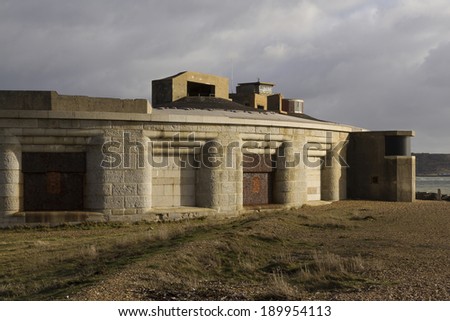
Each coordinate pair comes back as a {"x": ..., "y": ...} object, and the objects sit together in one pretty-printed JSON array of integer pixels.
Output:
[
  {"x": 397, "y": 146},
  {"x": 375, "y": 180},
  {"x": 198, "y": 89}
]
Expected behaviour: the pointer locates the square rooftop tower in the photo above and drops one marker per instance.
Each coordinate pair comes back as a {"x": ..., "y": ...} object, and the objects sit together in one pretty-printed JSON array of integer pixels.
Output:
[{"x": 188, "y": 84}]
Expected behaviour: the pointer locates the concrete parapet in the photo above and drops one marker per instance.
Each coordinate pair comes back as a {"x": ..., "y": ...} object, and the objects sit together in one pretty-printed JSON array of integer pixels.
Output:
[
  {"x": 52, "y": 101},
  {"x": 26, "y": 100},
  {"x": 84, "y": 103}
]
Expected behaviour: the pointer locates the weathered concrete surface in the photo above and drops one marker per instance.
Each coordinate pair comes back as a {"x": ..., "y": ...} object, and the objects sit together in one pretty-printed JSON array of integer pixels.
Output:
[
  {"x": 374, "y": 175},
  {"x": 51, "y": 100}
]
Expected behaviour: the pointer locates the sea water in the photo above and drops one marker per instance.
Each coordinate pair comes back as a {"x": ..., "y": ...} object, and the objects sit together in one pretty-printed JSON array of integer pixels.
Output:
[{"x": 432, "y": 184}]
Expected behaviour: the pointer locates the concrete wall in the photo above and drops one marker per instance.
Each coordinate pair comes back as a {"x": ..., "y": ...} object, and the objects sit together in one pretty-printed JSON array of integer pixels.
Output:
[
  {"x": 260, "y": 101},
  {"x": 243, "y": 99},
  {"x": 174, "y": 184},
  {"x": 313, "y": 178},
  {"x": 162, "y": 91},
  {"x": 289, "y": 106},
  {"x": 274, "y": 103},
  {"x": 252, "y": 100},
  {"x": 406, "y": 178},
  {"x": 261, "y": 88}
]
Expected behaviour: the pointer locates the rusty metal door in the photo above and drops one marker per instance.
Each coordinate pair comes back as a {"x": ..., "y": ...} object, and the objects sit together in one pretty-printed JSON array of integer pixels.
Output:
[
  {"x": 53, "y": 181},
  {"x": 257, "y": 188},
  {"x": 258, "y": 179}
]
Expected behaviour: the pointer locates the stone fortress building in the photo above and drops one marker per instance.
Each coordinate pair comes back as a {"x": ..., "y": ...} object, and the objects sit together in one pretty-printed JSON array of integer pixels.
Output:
[{"x": 197, "y": 150}]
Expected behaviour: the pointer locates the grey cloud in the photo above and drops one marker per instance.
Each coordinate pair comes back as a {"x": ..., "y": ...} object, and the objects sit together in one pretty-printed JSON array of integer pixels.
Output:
[{"x": 375, "y": 64}]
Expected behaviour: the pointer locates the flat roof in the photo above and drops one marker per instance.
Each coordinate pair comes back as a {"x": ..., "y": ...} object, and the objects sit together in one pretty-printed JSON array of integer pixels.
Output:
[{"x": 256, "y": 83}]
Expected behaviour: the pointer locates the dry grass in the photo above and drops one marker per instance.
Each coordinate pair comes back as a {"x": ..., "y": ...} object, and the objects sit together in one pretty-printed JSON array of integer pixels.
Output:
[
  {"x": 332, "y": 263},
  {"x": 280, "y": 288},
  {"x": 55, "y": 258},
  {"x": 347, "y": 250}
]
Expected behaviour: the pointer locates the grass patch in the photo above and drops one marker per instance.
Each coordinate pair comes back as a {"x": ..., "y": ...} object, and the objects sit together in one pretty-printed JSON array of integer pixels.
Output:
[
  {"x": 279, "y": 255},
  {"x": 61, "y": 259}
]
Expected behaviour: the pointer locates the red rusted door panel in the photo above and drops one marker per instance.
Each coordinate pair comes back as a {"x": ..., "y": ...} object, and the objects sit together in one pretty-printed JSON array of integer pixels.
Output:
[{"x": 257, "y": 188}]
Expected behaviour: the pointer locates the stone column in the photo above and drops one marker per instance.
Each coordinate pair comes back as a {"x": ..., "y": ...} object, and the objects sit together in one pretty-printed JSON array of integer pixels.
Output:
[
  {"x": 137, "y": 177},
  {"x": 10, "y": 176},
  {"x": 333, "y": 176},
  {"x": 290, "y": 176},
  {"x": 98, "y": 181},
  {"x": 330, "y": 178},
  {"x": 119, "y": 176},
  {"x": 219, "y": 179},
  {"x": 238, "y": 176}
]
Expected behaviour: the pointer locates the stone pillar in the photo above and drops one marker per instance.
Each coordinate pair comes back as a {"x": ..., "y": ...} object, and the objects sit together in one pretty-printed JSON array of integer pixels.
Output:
[
  {"x": 334, "y": 170},
  {"x": 10, "y": 176},
  {"x": 238, "y": 175},
  {"x": 333, "y": 174},
  {"x": 208, "y": 187},
  {"x": 137, "y": 178},
  {"x": 219, "y": 179},
  {"x": 330, "y": 178},
  {"x": 98, "y": 180},
  {"x": 119, "y": 176},
  {"x": 290, "y": 176}
]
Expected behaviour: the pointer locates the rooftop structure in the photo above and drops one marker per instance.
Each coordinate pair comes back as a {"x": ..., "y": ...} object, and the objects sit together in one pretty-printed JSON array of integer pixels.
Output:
[
  {"x": 261, "y": 88},
  {"x": 188, "y": 84}
]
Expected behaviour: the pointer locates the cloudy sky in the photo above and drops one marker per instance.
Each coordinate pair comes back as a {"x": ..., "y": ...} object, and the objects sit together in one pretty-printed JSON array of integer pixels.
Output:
[{"x": 378, "y": 64}]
